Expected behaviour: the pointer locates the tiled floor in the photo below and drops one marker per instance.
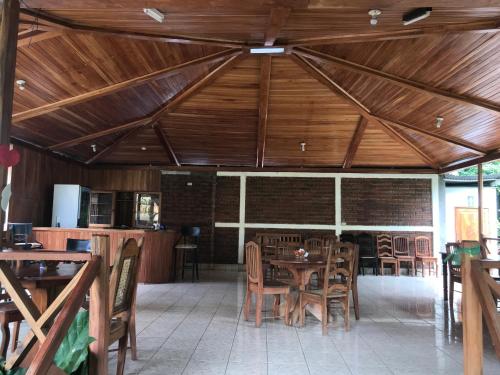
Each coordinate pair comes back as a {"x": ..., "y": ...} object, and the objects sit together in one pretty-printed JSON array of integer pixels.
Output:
[{"x": 198, "y": 329}]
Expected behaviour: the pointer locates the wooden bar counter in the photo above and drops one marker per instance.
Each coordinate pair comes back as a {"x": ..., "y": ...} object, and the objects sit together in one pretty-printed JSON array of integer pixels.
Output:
[{"x": 157, "y": 257}]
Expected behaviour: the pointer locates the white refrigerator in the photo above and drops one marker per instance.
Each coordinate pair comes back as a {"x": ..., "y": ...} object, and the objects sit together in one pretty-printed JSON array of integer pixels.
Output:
[{"x": 70, "y": 206}]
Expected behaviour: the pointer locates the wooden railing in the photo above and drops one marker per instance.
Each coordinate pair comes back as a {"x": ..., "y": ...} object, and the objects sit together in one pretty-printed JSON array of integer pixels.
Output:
[
  {"x": 480, "y": 295},
  {"x": 50, "y": 327}
]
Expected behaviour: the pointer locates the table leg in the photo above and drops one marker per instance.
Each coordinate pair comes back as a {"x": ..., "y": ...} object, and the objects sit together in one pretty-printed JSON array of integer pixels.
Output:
[
  {"x": 445, "y": 276},
  {"x": 40, "y": 297}
]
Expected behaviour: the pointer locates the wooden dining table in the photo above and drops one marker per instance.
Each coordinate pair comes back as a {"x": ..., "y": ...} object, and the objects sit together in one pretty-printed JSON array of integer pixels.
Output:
[{"x": 44, "y": 284}]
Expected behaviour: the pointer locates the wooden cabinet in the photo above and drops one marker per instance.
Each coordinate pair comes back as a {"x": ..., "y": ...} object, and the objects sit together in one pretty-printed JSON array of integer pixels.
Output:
[{"x": 102, "y": 205}]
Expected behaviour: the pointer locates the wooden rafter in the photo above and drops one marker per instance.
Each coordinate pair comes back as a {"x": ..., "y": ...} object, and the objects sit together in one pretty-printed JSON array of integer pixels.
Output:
[
  {"x": 34, "y": 36},
  {"x": 277, "y": 19},
  {"x": 399, "y": 81},
  {"x": 167, "y": 146},
  {"x": 265, "y": 84},
  {"x": 490, "y": 25},
  {"x": 133, "y": 82},
  {"x": 470, "y": 162},
  {"x": 355, "y": 141},
  {"x": 49, "y": 23},
  {"x": 112, "y": 146},
  {"x": 362, "y": 109}
]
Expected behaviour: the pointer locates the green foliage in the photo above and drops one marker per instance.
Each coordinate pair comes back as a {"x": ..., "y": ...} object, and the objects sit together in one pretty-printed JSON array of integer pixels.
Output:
[
  {"x": 488, "y": 169},
  {"x": 17, "y": 371},
  {"x": 71, "y": 357}
]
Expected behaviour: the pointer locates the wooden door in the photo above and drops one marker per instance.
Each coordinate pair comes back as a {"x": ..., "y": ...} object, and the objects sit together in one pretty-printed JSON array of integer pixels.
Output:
[{"x": 466, "y": 223}]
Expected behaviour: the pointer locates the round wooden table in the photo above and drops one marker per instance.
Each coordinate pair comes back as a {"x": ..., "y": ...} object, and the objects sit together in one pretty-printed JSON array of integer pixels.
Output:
[{"x": 301, "y": 268}]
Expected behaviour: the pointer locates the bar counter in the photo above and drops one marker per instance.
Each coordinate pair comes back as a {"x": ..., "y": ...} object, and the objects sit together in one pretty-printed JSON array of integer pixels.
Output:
[{"x": 157, "y": 259}]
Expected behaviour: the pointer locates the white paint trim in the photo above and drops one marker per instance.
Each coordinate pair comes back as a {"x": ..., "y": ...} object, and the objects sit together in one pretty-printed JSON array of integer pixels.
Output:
[
  {"x": 338, "y": 206},
  {"x": 241, "y": 232},
  {"x": 388, "y": 228},
  {"x": 326, "y": 175},
  {"x": 227, "y": 225},
  {"x": 290, "y": 226},
  {"x": 436, "y": 234}
]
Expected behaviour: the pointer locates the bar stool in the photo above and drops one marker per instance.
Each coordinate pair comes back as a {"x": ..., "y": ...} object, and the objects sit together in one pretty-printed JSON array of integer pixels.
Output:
[{"x": 187, "y": 250}]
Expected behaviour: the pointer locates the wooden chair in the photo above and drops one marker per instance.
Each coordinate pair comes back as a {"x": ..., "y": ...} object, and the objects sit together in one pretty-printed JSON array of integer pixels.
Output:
[
  {"x": 314, "y": 246},
  {"x": 423, "y": 255},
  {"x": 367, "y": 253},
  {"x": 123, "y": 290},
  {"x": 260, "y": 287},
  {"x": 328, "y": 242},
  {"x": 9, "y": 313},
  {"x": 385, "y": 253},
  {"x": 291, "y": 238},
  {"x": 401, "y": 248},
  {"x": 187, "y": 250},
  {"x": 337, "y": 283}
]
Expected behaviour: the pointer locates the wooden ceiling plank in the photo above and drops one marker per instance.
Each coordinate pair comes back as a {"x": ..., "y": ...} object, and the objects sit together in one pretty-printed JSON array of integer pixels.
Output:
[
  {"x": 133, "y": 82},
  {"x": 31, "y": 37},
  {"x": 167, "y": 146},
  {"x": 491, "y": 156},
  {"x": 277, "y": 19},
  {"x": 362, "y": 109},
  {"x": 49, "y": 23},
  {"x": 265, "y": 85},
  {"x": 489, "y": 25},
  {"x": 355, "y": 141},
  {"x": 112, "y": 146},
  {"x": 397, "y": 80}
]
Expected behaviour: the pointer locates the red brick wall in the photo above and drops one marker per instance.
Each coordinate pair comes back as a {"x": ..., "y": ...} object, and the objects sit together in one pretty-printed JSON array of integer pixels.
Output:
[
  {"x": 226, "y": 245},
  {"x": 290, "y": 200},
  {"x": 386, "y": 201},
  {"x": 227, "y": 199}
]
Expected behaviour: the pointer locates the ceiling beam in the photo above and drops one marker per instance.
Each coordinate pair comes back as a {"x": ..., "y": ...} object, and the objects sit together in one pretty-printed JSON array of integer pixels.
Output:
[
  {"x": 362, "y": 109},
  {"x": 355, "y": 141},
  {"x": 133, "y": 82},
  {"x": 34, "y": 36},
  {"x": 489, "y": 25},
  {"x": 265, "y": 84},
  {"x": 44, "y": 21},
  {"x": 399, "y": 81},
  {"x": 491, "y": 156},
  {"x": 277, "y": 19},
  {"x": 167, "y": 146},
  {"x": 112, "y": 146},
  {"x": 153, "y": 117}
]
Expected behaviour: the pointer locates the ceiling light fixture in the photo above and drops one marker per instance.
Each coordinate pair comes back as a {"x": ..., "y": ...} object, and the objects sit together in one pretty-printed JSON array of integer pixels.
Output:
[
  {"x": 439, "y": 121},
  {"x": 374, "y": 13},
  {"x": 416, "y": 15},
  {"x": 143, "y": 148},
  {"x": 93, "y": 147},
  {"x": 21, "y": 84},
  {"x": 302, "y": 146},
  {"x": 267, "y": 50},
  {"x": 155, "y": 14}
]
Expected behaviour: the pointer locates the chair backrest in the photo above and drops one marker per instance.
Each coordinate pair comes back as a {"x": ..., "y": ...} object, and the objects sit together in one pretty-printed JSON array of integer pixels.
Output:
[
  {"x": 366, "y": 246},
  {"x": 423, "y": 246},
  {"x": 454, "y": 262},
  {"x": 339, "y": 271},
  {"x": 384, "y": 245},
  {"x": 292, "y": 239},
  {"x": 253, "y": 264},
  {"x": 314, "y": 246},
  {"x": 75, "y": 244},
  {"x": 347, "y": 237},
  {"x": 401, "y": 245},
  {"x": 123, "y": 280}
]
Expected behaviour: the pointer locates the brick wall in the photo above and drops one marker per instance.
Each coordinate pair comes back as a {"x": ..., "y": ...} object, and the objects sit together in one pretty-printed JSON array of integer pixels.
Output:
[
  {"x": 290, "y": 200},
  {"x": 227, "y": 199},
  {"x": 226, "y": 245},
  {"x": 386, "y": 201}
]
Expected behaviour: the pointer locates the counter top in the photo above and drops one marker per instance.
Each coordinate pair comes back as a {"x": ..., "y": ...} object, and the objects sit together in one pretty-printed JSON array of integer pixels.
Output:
[{"x": 96, "y": 229}]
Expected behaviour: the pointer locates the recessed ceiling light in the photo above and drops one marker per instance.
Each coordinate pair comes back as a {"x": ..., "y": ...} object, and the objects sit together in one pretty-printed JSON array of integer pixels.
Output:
[
  {"x": 21, "y": 84},
  {"x": 416, "y": 15},
  {"x": 143, "y": 148},
  {"x": 374, "y": 13},
  {"x": 267, "y": 50},
  {"x": 155, "y": 14},
  {"x": 93, "y": 147},
  {"x": 302, "y": 146},
  {"x": 439, "y": 121}
]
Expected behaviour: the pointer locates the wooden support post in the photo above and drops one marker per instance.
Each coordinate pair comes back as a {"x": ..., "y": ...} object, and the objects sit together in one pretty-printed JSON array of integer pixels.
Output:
[
  {"x": 472, "y": 322},
  {"x": 480, "y": 201},
  {"x": 99, "y": 318},
  {"x": 8, "y": 50}
]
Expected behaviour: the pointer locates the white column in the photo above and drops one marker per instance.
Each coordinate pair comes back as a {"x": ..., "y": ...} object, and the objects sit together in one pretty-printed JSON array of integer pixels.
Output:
[
  {"x": 436, "y": 233},
  {"x": 241, "y": 233},
  {"x": 338, "y": 206}
]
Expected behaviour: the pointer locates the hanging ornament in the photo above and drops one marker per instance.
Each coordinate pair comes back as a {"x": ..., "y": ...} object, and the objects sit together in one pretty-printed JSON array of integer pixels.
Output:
[{"x": 8, "y": 157}]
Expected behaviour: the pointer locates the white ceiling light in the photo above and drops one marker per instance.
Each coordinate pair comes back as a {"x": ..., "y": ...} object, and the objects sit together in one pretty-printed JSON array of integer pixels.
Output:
[
  {"x": 267, "y": 50},
  {"x": 439, "y": 121},
  {"x": 302, "y": 146},
  {"x": 155, "y": 14},
  {"x": 374, "y": 13},
  {"x": 21, "y": 84},
  {"x": 416, "y": 15},
  {"x": 93, "y": 147},
  {"x": 143, "y": 148}
]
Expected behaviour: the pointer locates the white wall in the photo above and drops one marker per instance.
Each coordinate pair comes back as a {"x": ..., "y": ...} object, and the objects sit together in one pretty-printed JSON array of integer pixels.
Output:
[{"x": 465, "y": 196}]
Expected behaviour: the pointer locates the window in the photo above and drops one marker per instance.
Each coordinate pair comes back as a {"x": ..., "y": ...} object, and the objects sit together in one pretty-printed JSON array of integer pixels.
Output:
[{"x": 147, "y": 209}]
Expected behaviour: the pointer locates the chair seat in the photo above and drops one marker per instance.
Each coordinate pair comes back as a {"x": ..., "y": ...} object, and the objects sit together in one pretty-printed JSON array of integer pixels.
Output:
[
  {"x": 428, "y": 259},
  {"x": 186, "y": 246},
  {"x": 9, "y": 312},
  {"x": 117, "y": 329},
  {"x": 368, "y": 257},
  {"x": 388, "y": 259},
  {"x": 319, "y": 293}
]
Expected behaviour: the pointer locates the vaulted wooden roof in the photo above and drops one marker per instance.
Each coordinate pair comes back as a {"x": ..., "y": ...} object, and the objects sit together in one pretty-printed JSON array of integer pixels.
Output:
[{"x": 107, "y": 84}]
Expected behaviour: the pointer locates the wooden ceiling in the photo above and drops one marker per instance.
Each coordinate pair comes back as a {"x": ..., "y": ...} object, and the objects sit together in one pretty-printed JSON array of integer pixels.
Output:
[{"x": 103, "y": 75}]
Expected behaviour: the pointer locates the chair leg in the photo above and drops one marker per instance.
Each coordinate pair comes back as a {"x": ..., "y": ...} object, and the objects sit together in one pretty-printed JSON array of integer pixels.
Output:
[
  {"x": 276, "y": 306},
  {"x": 258, "y": 310},
  {"x": 450, "y": 295},
  {"x": 122, "y": 354},
  {"x": 183, "y": 262},
  {"x": 5, "y": 339},
  {"x": 346, "y": 314},
  {"x": 246, "y": 308},
  {"x": 324, "y": 318},
  {"x": 15, "y": 339},
  {"x": 302, "y": 311},
  {"x": 133, "y": 336},
  {"x": 288, "y": 303}
]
